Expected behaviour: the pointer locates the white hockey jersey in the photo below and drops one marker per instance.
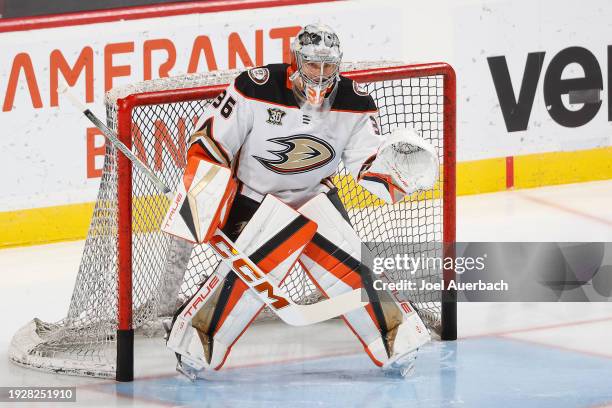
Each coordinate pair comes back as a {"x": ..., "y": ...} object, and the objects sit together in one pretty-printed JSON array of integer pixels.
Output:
[{"x": 275, "y": 147}]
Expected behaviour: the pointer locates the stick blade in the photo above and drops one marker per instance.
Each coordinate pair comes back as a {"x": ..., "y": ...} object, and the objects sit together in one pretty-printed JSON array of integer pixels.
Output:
[{"x": 304, "y": 315}]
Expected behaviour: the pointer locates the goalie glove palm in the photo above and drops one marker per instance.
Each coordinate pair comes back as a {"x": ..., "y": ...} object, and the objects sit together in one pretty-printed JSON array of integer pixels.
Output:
[{"x": 405, "y": 163}]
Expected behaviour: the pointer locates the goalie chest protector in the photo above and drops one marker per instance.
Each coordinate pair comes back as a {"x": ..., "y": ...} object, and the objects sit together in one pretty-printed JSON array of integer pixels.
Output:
[{"x": 282, "y": 149}]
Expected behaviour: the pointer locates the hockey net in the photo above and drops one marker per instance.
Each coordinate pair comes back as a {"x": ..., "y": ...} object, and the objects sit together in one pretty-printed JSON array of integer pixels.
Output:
[{"x": 155, "y": 118}]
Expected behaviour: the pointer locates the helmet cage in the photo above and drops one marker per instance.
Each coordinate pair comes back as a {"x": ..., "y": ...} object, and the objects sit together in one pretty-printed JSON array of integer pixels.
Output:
[
  {"x": 324, "y": 81},
  {"x": 316, "y": 44}
]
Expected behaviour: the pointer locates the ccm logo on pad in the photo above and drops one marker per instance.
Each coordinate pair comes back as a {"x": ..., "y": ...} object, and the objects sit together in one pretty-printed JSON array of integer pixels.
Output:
[{"x": 243, "y": 267}]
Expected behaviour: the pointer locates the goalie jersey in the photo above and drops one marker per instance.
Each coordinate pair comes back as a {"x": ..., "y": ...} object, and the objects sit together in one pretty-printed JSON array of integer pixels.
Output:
[{"x": 257, "y": 127}]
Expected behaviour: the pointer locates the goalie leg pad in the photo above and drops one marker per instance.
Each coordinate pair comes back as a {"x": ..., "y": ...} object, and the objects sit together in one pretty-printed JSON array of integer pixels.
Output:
[
  {"x": 332, "y": 260},
  {"x": 274, "y": 237},
  {"x": 205, "y": 300}
]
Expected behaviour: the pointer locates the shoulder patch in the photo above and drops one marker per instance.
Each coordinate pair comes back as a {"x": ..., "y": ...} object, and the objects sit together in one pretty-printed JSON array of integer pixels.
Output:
[
  {"x": 352, "y": 96},
  {"x": 359, "y": 90},
  {"x": 259, "y": 75}
]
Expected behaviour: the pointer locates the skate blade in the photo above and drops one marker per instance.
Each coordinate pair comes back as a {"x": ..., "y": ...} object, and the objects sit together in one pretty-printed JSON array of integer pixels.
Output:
[
  {"x": 402, "y": 367},
  {"x": 399, "y": 371},
  {"x": 189, "y": 372}
]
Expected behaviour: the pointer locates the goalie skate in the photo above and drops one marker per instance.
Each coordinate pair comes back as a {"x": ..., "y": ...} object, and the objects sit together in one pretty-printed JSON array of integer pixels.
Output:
[{"x": 187, "y": 365}]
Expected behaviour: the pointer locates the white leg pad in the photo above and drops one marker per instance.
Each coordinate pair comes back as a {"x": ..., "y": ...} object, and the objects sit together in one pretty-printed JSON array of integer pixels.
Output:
[
  {"x": 272, "y": 217},
  {"x": 341, "y": 241}
]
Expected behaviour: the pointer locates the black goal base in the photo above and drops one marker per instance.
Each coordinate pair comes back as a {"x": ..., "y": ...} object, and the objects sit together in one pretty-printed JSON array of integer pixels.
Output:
[{"x": 125, "y": 355}]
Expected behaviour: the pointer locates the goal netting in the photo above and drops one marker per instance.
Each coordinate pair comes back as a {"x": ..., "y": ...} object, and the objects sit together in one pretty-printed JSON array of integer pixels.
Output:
[{"x": 158, "y": 117}]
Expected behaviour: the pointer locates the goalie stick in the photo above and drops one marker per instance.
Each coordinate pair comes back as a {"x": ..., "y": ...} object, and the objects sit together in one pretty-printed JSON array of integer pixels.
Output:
[
  {"x": 112, "y": 137},
  {"x": 269, "y": 293}
]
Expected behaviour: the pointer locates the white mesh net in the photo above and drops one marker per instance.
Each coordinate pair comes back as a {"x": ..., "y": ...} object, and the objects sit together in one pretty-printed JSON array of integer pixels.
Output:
[{"x": 166, "y": 271}]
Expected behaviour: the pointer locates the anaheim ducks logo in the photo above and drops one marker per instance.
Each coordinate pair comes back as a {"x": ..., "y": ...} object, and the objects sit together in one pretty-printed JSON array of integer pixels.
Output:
[{"x": 301, "y": 153}]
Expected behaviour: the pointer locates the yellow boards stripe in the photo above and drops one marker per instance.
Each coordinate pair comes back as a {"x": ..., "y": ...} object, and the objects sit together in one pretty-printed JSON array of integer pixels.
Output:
[
  {"x": 70, "y": 222},
  {"x": 481, "y": 176},
  {"x": 41, "y": 225},
  {"x": 544, "y": 169}
]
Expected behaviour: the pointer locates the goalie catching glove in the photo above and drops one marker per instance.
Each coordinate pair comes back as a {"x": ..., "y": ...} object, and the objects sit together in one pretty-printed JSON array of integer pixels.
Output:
[{"x": 405, "y": 163}]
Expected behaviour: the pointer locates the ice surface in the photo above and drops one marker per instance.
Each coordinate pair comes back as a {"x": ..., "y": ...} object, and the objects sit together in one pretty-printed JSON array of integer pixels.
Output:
[{"x": 515, "y": 355}]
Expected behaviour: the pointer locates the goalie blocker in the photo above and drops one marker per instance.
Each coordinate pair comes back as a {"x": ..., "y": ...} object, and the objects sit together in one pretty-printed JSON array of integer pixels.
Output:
[{"x": 201, "y": 202}]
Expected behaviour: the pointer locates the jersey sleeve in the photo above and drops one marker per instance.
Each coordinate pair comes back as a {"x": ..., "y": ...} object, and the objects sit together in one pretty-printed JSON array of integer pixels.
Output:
[
  {"x": 223, "y": 128},
  {"x": 363, "y": 144}
]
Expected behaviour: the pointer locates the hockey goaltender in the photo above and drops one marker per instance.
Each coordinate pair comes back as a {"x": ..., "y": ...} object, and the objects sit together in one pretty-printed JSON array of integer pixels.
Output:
[{"x": 259, "y": 168}]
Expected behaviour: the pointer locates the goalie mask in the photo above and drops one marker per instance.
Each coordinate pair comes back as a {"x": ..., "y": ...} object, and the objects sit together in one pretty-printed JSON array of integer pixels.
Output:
[{"x": 316, "y": 58}]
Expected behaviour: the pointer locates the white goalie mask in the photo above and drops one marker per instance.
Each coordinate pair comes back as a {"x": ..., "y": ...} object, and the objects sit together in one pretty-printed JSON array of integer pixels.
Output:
[{"x": 316, "y": 59}]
